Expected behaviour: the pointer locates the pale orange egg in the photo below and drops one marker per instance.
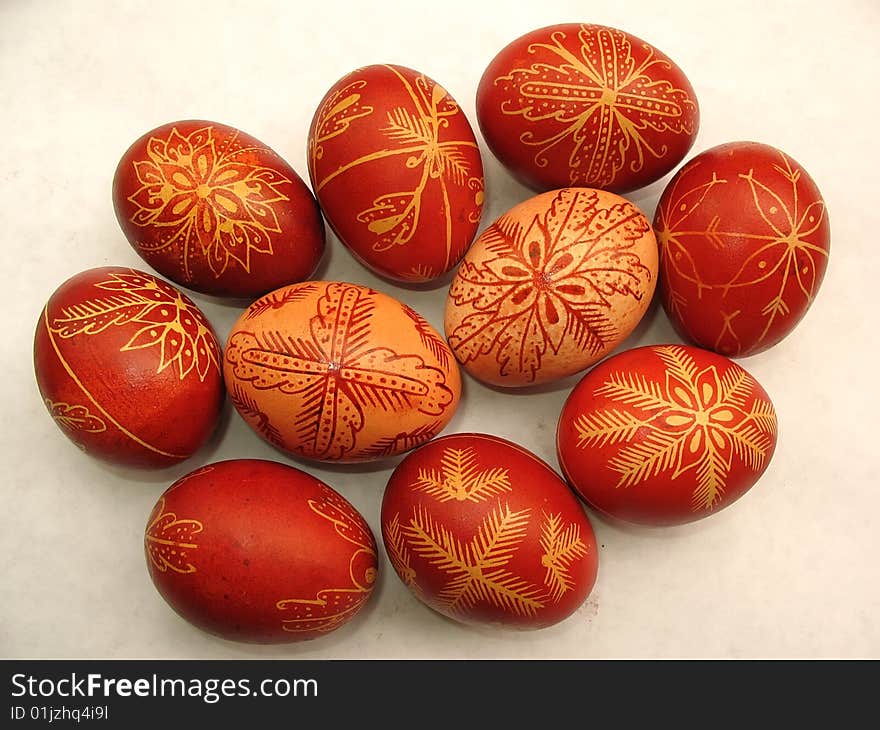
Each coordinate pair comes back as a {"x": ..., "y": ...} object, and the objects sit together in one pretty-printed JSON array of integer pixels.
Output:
[
  {"x": 333, "y": 371},
  {"x": 551, "y": 287}
]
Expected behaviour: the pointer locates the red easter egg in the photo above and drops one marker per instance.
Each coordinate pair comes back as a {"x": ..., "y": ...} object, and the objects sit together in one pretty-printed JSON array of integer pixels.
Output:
[
  {"x": 128, "y": 367},
  {"x": 216, "y": 210},
  {"x": 588, "y": 106},
  {"x": 257, "y": 551},
  {"x": 744, "y": 240},
  {"x": 483, "y": 531},
  {"x": 665, "y": 434},
  {"x": 396, "y": 168},
  {"x": 333, "y": 371},
  {"x": 551, "y": 287}
]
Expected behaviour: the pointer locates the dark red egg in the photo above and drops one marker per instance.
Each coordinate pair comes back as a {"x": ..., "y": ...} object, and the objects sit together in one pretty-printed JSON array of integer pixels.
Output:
[
  {"x": 665, "y": 434},
  {"x": 579, "y": 105},
  {"x": 744, "y": 240},
  {"x": 483, "y": 531},
  {"x": 396, "y": 168},
  {"x": 216, "y": 210},
  {"x": 257, "y": 551},
  {"x": 128, "y": 367}
]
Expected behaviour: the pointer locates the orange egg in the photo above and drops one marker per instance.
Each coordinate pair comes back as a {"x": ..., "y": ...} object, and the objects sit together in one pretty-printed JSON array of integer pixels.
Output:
[
  {"x": 551, "y": 287},
  {"x": 339, "y": 372}
]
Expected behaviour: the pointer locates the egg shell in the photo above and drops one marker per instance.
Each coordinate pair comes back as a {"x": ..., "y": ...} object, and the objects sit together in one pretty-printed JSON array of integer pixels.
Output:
[
  {"x": 551, "y": 287},
  {"x": 665, "y": 434},
  {"x": 333, "y": 371},
  {"x": 128, "y": 367},
  {"x": 744, "y": 241},
  {"x": 483, "y": 531},
  {"x": 396, "y": 168},
  {"x": 216, "y": 210},
  {"x": 257, "y": 551},
  {"x": 586, "y": 105}
]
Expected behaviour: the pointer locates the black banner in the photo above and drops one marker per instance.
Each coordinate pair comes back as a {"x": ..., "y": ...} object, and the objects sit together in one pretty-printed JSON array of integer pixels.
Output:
[{"x": 172, "y": 694}]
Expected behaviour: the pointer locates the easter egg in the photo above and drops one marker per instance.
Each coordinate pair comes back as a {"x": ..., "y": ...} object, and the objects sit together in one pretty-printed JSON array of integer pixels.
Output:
[
  {"x": 588, "y": 106},
  {"x": 333, "y": 371},
  {"x": 128, "y": 367},
  {"x": 216, "y": 210},
  {"x": 257, "y": 551},
  {"x": 744, "y": 241},
  {"x": 396, "y": 168},
  {"x": 483, "y": 531},
  {"x": 665, "y": 434},
  {"x": 551, "y": 287}
]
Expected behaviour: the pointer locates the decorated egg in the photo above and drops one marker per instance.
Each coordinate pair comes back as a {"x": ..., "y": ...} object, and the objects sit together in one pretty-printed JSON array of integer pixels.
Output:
[
  {"x": 665, "y": 434},
  {"x": 128, "y": 367},
  {"x": 216, "y": 210},
  {"x": 744, "y": 240},
  {"x": 396, "y": 168},
  {"x": 333, "y": 371},
  {"x": 258, "y": 551},
  {"x": 551, "y": 287},
  {"x": 586, "y": 105},
  {"x": 483, "y": 531}
]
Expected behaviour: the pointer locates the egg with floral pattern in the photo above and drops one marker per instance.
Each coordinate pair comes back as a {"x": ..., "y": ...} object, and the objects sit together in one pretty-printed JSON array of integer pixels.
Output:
[
  {"x": 216, "y": 210},
  {"x": 396, "y": 168},
  {"x": 665, "y": 434},
  {"x": 483, "y": 531},
  {"x": 128, "y": 366},
  {"x": 586, "y": 105},
  {"x": 551, "y": 287},
  {"x": 253, "y": 550}
]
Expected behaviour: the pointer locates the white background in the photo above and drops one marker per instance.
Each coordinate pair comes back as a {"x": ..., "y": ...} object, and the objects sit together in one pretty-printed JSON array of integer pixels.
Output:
[{"x": 788, "y": 571}]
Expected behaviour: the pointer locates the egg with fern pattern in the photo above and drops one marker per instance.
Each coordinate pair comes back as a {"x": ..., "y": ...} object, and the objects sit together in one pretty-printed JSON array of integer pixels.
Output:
[{"x": 483, "y": 531}]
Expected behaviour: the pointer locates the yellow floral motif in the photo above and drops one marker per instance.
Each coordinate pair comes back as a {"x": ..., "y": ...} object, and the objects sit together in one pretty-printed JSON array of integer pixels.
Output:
[
  {"x": 332, "y": 607},
  {"x": 414, "y": 133},
  {"x": 168, "y": 322},
  {"x": 561, "y": 546},
  {"x": 209, "y": 202},
  {"x": 336, "y": 115},
  {"x": 696, "y": 421},
  {"x": 477, "y": 570},
  {"x": 603, "y": 101},
  {"x": 461, "y": 480},
  {"x": 170, "y": 541},
  {"x": 76, "y": 417}
]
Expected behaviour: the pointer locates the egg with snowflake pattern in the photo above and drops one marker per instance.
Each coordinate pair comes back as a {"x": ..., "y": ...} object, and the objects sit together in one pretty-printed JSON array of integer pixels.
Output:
[
  {"x": 216, "y": 210},
  {"x": 333, "y": 371},
  {"x": 257, "y": 551},
  {"x": 744, "y": 242},
  {"x": 128, "y": 367},
  {"x": 586, "y": 105},
  {"x": 483, "y": 531},
  {"x": 665, "y": 434}
]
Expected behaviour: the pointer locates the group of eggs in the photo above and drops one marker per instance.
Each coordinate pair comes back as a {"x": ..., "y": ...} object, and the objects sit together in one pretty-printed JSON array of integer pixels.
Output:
[{"x": 477, "y": 527}]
